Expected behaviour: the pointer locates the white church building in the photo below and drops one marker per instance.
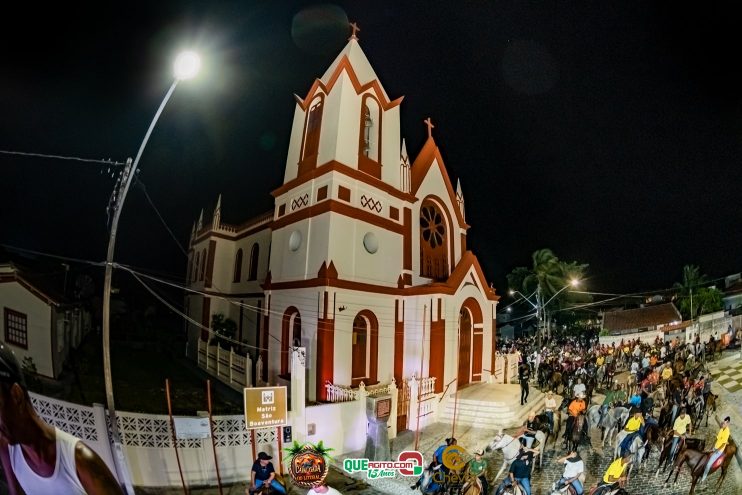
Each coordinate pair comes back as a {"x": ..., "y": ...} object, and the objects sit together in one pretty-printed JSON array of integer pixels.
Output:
[{"x": 363, "y": 259}]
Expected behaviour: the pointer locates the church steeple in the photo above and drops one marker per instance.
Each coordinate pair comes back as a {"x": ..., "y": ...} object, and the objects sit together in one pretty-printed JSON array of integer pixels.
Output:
[{"x": 346, "y": 118}]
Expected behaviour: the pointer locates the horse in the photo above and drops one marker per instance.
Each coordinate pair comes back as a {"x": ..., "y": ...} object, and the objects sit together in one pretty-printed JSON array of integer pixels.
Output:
[
  {"x": 510, "y": 448},
  {"x": 667, "y": 457},
  {"x": 613, "y": 421},
  {"x": 472, "y": 485},
  {"x": 574, "y": 437},
  {"x": 697, "y": 461},
  {"x": 710, "y": 406},
  {"x": 554, "y": 381},
  {"x": 637, "y": 450},
  {"x": 652, "y": 436},
  {"x": 267, "y": 488},
  {"x": 428, "y": 482}
]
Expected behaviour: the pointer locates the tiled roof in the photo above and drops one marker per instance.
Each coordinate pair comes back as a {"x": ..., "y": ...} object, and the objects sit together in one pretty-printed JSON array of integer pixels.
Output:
[{"x": 650, "y": 316}]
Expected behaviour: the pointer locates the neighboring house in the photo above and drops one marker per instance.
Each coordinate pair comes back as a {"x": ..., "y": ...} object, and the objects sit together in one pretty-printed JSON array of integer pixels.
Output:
[
  {"x": 660, "y": 317},
  {"x": 732, "y": 299},
  {"x": 37, "y": 323},
  {"x": 363, "y": 259}
]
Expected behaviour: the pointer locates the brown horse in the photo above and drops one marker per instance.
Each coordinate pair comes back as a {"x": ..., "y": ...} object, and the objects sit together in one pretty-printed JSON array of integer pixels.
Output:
[
  {"x": 688, "y": 443},
  {"x": 697, "y": 463}
]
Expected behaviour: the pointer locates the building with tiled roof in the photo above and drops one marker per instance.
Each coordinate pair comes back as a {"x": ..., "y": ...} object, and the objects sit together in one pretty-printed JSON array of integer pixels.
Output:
[{"x": 648, "y": 318}]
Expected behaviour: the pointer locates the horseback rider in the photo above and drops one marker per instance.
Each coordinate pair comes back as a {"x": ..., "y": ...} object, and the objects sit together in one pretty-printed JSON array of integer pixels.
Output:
[
  {"x": 722, "y": 439},
  {"x": 437, "y": 463},
  {"x": 478, "y": 467},
  {"x": 530, "y": 426},
  {"x": 634, "y": 427},
  {"x": 614, "y": 475},
  {"x": 579, "y": 387},
  {"x": 682, "y": 423},
  {"x": 520, "y": 472},
  {"x": 263, "y": 472},
  {"x": 573, "y": 469},
  {"x": 550, "y": 406},
  {"x": 576, "y": 407}
]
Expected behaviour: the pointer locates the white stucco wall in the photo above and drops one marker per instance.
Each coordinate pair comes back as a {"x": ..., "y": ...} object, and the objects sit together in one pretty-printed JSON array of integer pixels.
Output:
[{"x": 39, "y": 322}]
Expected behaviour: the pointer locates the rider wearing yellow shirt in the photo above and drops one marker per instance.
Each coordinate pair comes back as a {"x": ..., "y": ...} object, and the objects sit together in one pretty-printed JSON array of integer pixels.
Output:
[
  {"x": 633, "y": 427},
  {"x": 667, "y": 373},
  {"x": 600, "y": 360},
  {"x": 614, "y": 474},
  {"x": 722, "y": 438}
]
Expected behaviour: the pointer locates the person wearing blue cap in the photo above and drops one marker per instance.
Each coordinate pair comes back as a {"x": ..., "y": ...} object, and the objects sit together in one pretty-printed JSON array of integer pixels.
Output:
[{"x": 38, "y": 458}]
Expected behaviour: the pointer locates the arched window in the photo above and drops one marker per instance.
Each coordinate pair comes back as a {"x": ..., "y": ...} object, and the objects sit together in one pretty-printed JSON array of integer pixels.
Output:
[
  {"x": 194, "y": 271},
  {"x": 369, "y": 139},
  {"x": 290, "y": 336},
  {"x": 433, "y": 242},
  {"x": 311, "y": 135},
  {"x": 203, "y": 264},
  {"x": 364, "y": 348},
  {"x": 237, "y": 266},
  {"x": 252, "y": 271}
]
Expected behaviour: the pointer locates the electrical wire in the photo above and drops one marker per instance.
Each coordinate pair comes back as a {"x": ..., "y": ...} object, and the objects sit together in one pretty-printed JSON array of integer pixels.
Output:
[{"x": 60, "y": 157}]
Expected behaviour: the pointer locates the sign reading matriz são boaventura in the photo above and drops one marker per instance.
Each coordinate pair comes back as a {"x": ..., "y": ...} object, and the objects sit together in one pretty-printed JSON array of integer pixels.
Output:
[{"x": 265, "y": 407}]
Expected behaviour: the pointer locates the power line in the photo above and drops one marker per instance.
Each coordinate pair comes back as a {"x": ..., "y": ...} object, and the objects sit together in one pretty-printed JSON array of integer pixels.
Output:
[
  {"x": 60, "y": 157},
  {"x": 164, "y": 223}
]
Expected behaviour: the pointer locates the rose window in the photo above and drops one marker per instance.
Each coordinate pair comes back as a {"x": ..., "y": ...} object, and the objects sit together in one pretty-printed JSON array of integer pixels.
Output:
[{"x": 431, "y": 223}]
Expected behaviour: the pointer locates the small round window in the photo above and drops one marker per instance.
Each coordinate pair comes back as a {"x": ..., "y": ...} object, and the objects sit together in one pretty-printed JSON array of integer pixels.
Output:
[
  {"x": 295, "y": 240},
  {"x": 370, "y": 242}
]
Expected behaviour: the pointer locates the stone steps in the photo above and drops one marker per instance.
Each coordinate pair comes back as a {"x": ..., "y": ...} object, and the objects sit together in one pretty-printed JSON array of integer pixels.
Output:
[{"x": 498, "y": 409}]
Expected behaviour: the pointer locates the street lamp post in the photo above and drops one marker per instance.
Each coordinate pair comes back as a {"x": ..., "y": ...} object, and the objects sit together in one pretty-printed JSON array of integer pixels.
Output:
[
  {"x": 539, "y": 305},
  {"x": 186, "y": 66}
]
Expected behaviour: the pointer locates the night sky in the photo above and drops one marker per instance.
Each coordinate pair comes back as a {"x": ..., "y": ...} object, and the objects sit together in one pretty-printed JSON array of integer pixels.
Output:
[{"x": 610, "y": 132}]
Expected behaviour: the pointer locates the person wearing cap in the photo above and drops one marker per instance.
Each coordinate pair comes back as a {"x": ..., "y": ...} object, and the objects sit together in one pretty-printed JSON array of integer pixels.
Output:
[
  {"x": 574, "y": 467},
  {"x": 722, "y": 439},
  {"x": 478, "y": 467},
  {"x": 437, "y": 462},
  {"x": 38, "y": 458},
  {"x": 264, "y": 473}
]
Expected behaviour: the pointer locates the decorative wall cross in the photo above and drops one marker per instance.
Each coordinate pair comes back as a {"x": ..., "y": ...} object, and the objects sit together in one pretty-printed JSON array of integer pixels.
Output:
[
  {"x": 355, "y": 29},
  {"x": 430, "y": 126}
]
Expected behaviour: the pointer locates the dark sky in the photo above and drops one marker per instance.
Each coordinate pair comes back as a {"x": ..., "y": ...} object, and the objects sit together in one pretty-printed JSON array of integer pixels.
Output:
[{"x": 610, "y": 132}]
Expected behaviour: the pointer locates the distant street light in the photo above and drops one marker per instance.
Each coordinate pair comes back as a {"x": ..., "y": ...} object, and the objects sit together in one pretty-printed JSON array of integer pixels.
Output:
[
  {"x": 186, "y": 66},
  {"x": 540, "y": 306}
]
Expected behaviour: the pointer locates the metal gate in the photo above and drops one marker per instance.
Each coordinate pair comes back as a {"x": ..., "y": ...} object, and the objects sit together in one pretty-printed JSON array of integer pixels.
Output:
[{"x": 403, "y": 405}]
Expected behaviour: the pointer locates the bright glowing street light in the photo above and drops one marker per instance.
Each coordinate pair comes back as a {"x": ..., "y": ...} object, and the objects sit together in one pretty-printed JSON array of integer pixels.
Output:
[{"x": 186, "y": 66}]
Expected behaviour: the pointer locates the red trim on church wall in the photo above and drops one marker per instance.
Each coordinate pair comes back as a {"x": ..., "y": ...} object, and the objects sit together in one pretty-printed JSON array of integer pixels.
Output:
[
  {"x": 476, "y": 365},
  {"x": 265, "y": 339},
  {"x": 335, "y": 166},
  {"x": 463, "y": 243},
  {"x": 437, "y": 352},
  {"x": 210, "y": 263},
  {"x": 325, "y": 351},
  {"x": 407, "y": 245},
  {"x": 345, "y": 65},
  {"x": 322, "y": 193},
  {"x": 393, "y": 213},
  {"x": 341, "y": 209},
  {"x": 494, "y": 344},
  {"x": 344, "y": 193},
  {"x": 366, "y": 164},
  {"x": 398, "y": 340}
]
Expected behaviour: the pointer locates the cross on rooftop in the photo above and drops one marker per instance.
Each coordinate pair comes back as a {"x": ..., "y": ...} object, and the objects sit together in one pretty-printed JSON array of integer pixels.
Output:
[
  {"x": 430, "y": 126},
  {"x": 355, "y": 29}
]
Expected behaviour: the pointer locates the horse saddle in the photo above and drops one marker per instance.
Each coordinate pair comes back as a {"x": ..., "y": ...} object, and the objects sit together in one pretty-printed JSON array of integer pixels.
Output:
[{"x": 718, "y": 462}]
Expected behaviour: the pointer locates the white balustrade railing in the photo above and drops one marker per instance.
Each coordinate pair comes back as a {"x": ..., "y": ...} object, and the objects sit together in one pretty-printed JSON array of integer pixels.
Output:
[
  {"x": 377, "y": 390},
  {"x": 338, "y": 393},
  {"x": 228, "y": 366},
  {"x": 427, "y": 385}
]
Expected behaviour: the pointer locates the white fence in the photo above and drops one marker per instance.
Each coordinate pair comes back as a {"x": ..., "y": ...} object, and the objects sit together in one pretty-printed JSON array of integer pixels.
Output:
[
  {"x": 646, "y": 337},
  {"x": 230, "y": 367}
]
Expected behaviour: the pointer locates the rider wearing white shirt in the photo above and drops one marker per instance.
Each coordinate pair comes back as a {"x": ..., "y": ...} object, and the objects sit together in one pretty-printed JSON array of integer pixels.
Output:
[
  {"x": 579, "y": 387},
  {"x": 573, "y": 468}
]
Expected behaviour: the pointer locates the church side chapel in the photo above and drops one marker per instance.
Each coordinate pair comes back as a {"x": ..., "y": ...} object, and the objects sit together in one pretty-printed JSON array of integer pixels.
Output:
[{"x": 363, "y": 260}]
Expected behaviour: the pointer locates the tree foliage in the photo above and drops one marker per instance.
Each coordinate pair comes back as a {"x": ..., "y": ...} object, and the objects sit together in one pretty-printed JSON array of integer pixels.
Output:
[
  {"x": 225, "y": 330},
  {"x": 693, "y": 298}
]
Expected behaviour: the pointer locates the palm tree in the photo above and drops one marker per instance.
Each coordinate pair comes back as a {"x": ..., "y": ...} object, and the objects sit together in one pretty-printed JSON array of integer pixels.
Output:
[
  {"x": 692, "y": 282},
  {"x": 546, "y": 279}
]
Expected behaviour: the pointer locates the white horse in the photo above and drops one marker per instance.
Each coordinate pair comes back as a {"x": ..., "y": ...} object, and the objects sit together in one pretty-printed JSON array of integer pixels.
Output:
[
  {"x": 612, "y": 422},
  {"x": 510, "y": 447}
]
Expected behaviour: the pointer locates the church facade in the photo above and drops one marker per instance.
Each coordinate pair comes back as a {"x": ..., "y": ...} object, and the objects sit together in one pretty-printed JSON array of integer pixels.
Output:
[{"x": 363, "y": 260}]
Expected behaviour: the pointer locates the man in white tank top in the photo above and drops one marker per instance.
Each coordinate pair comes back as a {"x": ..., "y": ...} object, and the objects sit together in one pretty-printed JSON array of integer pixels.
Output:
[{"x": 37, "y": 458}]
